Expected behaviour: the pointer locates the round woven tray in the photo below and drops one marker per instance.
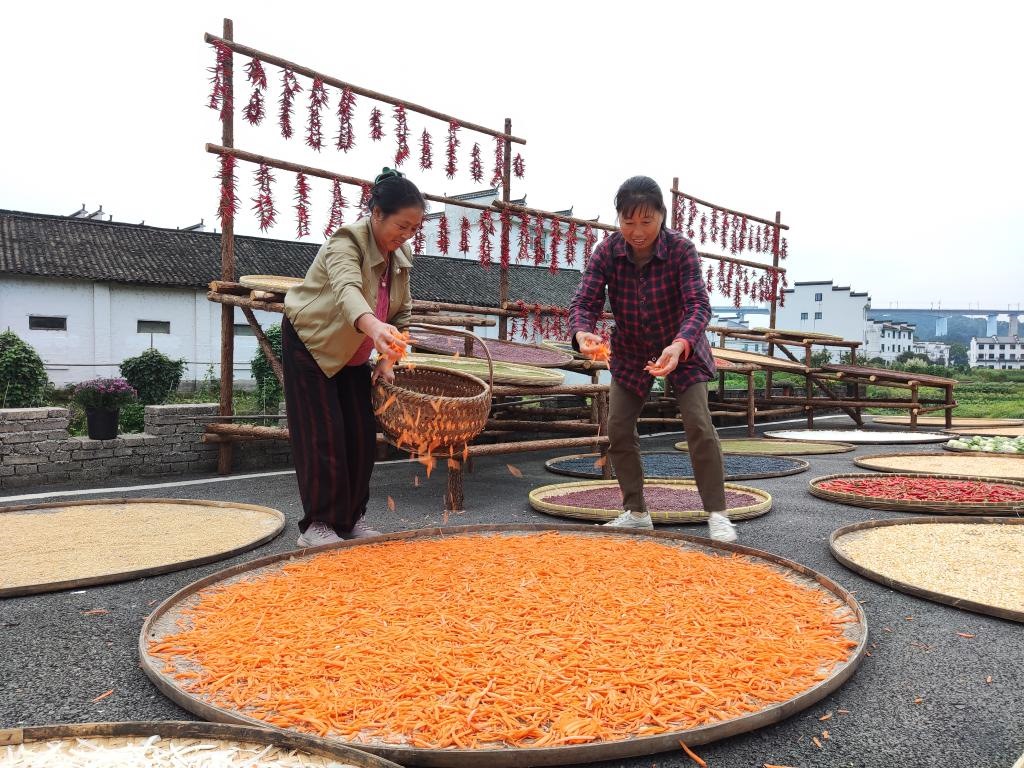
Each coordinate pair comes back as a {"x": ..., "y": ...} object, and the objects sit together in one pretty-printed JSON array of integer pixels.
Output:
[
  {"x": 860, "y": 436},
  {"x": 763, "y": 446},
  {"x": 987, "y": 431},
  {"x": 940, "y": 421},
  {"x": 447, "y": 407},
  {"x": 672, "y": 465},
  {"x": 501, "y": 351},
  {"x": 504, "y": 373},
  {"x": 270, "y": 283},
  {"x": 167, "y": 617},
  {"x": 545, "y": 499},
  {"x": 302, "y": 749},
  {"x": 753, "y": 358},
  {"x": 939, "y": 560},
  {"x": 993, "y": 466},
  {"x": 944, "y": 507},
  {"x": 797, "y": 334},
  {"x": 972, "y": 452},
  {"x": 562, "y": 346},
  {"x": 102, "y": 541}
]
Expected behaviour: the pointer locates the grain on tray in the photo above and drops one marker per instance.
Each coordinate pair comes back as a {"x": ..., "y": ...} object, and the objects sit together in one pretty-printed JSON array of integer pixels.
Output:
[
  {"x": 938, "y": 463},
  {"x": 520, "y": 640},
  {"x": 658, "y": 498},
  {"x": 156, "y": 752},
  {"x": 979, "y": 562}
]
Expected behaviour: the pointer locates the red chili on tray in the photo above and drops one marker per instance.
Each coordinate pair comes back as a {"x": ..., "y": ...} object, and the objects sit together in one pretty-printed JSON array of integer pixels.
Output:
[{"x": 929, "y": 489}]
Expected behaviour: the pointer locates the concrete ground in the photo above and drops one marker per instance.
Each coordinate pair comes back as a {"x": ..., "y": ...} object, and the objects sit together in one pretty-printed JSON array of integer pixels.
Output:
[{"x": 921, "y": 698}]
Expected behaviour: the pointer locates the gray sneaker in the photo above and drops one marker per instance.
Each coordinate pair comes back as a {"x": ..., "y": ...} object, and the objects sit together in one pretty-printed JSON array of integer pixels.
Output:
[
  {"x": 628, "y": 520},
  {"x": 361, "y": 531},
  {"x": 318, "y": 535},
  {"x": 721, "y": 527}
]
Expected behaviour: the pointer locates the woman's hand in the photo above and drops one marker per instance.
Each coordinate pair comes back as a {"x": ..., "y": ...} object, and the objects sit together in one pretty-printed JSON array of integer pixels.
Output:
[
  {"x": 588, "y": 342},
  {"x": 382, "y": 334},
  {"x": 384, "y": 369},
  {"x": 670, "y": 357}
]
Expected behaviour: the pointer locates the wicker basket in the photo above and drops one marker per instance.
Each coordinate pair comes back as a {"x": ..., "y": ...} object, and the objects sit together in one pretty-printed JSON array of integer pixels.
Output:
[{"x": 447, "y": 408}]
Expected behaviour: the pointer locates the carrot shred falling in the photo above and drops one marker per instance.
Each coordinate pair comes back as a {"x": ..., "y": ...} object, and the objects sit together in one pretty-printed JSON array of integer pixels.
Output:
[{"x": 518, "y": 640}]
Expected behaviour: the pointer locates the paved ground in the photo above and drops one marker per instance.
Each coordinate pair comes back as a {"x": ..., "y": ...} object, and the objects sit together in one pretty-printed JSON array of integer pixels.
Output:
[{"x": 54, "y": 659}]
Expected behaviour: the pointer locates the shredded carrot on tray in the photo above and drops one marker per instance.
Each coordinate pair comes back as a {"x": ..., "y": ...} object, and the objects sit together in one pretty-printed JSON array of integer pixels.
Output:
[{"x": 524, "y": 640}]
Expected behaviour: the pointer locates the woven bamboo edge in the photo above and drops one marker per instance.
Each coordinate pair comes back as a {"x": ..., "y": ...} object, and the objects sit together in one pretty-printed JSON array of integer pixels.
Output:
[
  {"x": 563, "y": 358},
  {"x": 186, "y": 729},
  {"x": 139, "y": 573},
  {"x": 804, "y": 448},
  {"x": 866, "y": 463},
  {"x": 562, "y": 346},
  {"x": 921, "y": 438},
  {"x": 910, "y": 589},
  {"x": 551, "y": 465},
  {"x": 164, "y": 613},
  {"x": 1011, "y": 431},
  {"x": 948, "y": 447},
  {"x": 945, "y": 508},
  {"x": 669, "y": 517},
  {"x": 902, "y": 421},
  {"x": 502, "y": 374}
]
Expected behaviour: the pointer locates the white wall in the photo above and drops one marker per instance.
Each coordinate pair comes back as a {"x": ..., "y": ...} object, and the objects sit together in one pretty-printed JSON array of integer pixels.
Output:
[
  {"x": 986, "y": 351},
  {"x": 102, "y": 326},
  {"x": 842, "y": 313},
  {"x": 887, "y": 340}
]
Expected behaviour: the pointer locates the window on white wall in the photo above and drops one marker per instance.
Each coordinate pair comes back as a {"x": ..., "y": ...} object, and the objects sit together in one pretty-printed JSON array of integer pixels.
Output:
[
  {"x": 803, "y": 315},
  {"x": 153, "y": 326},
  {"x": 817, "y": 297},
  {"x": 243, "y": 329},
  {"x": 47, "y": 323},
  {"x": 817, "y": 315}
]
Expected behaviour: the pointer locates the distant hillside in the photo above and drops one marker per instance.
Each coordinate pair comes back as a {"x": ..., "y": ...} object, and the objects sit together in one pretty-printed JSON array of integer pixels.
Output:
[{"x": 960, "y": 328}]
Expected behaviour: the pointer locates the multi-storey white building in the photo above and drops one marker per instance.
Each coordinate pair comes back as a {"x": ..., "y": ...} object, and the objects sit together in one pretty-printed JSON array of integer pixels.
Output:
[
  {"x": 823, "y": 307},
  {"x": 936, "y": 351},
  {"x": 886, "y": 340},
  {"x": 1003, "y": 352}
]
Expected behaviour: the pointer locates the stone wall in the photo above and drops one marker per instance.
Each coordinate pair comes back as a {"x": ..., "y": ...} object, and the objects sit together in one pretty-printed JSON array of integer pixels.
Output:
[{"x": 36, "y": 449}]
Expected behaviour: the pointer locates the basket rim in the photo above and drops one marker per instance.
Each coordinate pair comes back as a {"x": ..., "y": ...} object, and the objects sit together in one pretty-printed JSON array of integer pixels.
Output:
[{"x": 485, "y": 391}]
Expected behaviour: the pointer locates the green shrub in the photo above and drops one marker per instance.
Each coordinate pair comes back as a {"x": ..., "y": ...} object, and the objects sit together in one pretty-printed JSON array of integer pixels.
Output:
[
  {"x": 132, "y": 418},
  {"x": 153, "y": 374},
  {"x": 268, "y": 389},
  {"x": 22, "y": 376}
]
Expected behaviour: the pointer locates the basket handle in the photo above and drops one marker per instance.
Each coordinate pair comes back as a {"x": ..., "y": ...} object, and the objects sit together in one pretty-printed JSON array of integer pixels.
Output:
[{"x": 448, "y": 331}]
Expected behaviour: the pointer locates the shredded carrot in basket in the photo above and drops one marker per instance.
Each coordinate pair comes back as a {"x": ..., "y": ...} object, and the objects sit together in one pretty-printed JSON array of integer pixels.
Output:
[{"x": 525, "y": 640}]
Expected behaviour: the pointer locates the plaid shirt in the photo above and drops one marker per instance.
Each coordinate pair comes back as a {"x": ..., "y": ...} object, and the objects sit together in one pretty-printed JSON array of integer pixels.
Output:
[{"x": 653, "y": 306}]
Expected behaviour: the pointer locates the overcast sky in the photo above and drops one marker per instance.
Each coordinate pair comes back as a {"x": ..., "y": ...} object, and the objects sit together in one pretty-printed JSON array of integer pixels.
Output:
[{"x": 887, "y": 134}]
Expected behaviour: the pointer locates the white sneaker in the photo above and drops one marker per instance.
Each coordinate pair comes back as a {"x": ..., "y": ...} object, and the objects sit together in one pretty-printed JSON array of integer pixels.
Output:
[
  {"x": 318, "y": 535},
  {"x": 361, "y": 531},
  {"x": 721, "y": 528},
  {"x": 628, "y": 520}
]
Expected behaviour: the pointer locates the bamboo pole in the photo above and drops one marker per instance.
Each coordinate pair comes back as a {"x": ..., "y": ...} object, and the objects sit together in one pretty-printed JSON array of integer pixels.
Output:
[
  {"x": 751, "y": 217},
  {"x": 562, "y": 389},
  {"x": 227, "y": 268},
  {"x": 228, "y": 286},
  {"x": 312, "y": 74},
  {"x": 248, "y": 430},
  {"x": 506, "y": 234},
  {"x": 454, "y": 320},
  {"x": 525, "y": 446},
  {"x": 245, "y": 302}
]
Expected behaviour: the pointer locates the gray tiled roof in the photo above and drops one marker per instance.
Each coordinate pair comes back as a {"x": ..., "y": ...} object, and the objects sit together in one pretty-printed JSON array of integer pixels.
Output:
[{"x": 57, "y": 246}]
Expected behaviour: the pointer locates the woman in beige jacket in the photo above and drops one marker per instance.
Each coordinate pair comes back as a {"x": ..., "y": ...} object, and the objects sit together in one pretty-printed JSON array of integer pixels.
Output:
[{"x": 355, "y": 298}]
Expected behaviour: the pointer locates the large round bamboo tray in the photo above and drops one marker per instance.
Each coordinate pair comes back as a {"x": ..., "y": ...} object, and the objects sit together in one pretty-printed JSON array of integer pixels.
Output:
[
  {"x": 69, "y": 545},
  {"x": 669, "y": 465},
  {"x": 860, "y": 436},
  {"x": 752, "y": 358},
  {"x": 940, "y": 421},
  {"x": 163, "y": 621},
  {"x": 992, "y": 466},
  {"x": 1008, "y": 431},
  {"x": 563, "y": 346},
  {"x": 791, "y": 334},
  {"x": 545, "y": 499},
  {"x": 270, "y": 283},
  {"x": 301, "y": 749},
  {"x": 501, "y": 351},
  {"x": 943, "y": 561},
  {"x": 910, "y": 505},
  {"x": 763, "y": 446},
  {"x": 504, "y": 373}
]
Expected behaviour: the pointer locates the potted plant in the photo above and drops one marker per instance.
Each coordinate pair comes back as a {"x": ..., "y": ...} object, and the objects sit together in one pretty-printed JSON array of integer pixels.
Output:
[{"x": 102, "y": 400}]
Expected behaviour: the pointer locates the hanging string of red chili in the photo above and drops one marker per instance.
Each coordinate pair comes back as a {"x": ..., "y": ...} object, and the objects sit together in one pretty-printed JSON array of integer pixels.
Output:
[
  {"x": 757, "y": 239},
  {"x": 499, "y": 161},
  {"x": 556, "y": 242},
  {"x": 364, "y": 199},
  {"x": 317, "y": 101},
  {"x": 677, "y": 212},
  {"x": 228, "y": 206},
  {"x": 346, "y": 138},
  {"x": 570, "y": 244},
  {"x": 538, "y": 241},
  {"x": 220, "y": 94},
  {"x": 301, "y": 204},
  {"x": 783, "y": 249},
  {"x": 426, "y": 151},
  {"x": 589, "y": 240},
  {"x": 264, "y": 200},
  {"x": 401, "y": 135},
  {"x": 376, "y": 124},
  {"x": 289, "y": 87},
  {"x": 703, "y": 228},
  {"x": 714, "y": 225},
  {"x": 255, "y": 110},
  {"x": 523, "y": 253},
  {"x": 419, "y": 240},
  {"x": 486, "y": 226},
  {"x": 743, "y": 234},
  {"x": 519, "y": 166},
  {"x": 453, "y": 144},
  {"x": 506, "y": 233},
  {"x": 338, "y": 203},
  {"x": 476, "y": 166},
  {"x": 464, "y": 235},
  {"x": 442, "y": 234}
]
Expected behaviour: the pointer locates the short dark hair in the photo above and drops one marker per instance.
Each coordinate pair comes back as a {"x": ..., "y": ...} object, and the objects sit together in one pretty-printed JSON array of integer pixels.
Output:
[
  {"x": 638, "y": 193},
  {"x": 391, "y": 192}
]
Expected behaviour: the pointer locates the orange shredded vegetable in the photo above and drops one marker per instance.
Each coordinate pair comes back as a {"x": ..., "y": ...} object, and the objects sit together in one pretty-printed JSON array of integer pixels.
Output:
[{"x": 523, "y": 640}]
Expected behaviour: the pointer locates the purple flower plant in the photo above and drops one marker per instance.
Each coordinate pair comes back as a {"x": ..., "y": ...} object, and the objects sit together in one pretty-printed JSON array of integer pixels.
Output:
[{"x": 104, "y": 393}]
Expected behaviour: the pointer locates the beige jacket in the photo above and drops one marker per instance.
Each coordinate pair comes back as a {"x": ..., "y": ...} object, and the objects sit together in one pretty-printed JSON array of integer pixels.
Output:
[{"x": 340, "y": 285}]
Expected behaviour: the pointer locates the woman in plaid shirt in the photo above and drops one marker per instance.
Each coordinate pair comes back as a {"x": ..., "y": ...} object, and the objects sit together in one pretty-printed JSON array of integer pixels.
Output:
[{"x": 661, "y": 309}]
